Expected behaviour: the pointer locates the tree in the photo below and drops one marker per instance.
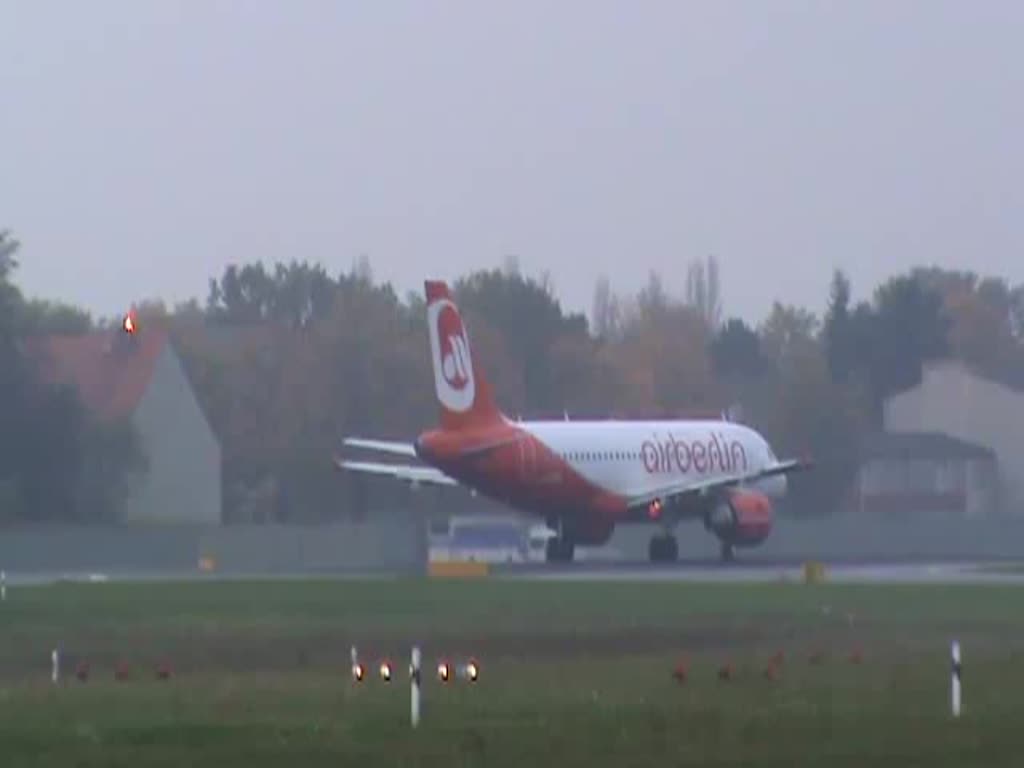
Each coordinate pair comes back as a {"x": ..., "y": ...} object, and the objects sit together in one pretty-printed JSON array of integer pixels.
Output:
[
  {"x": 8, "y": 247},
  {"x": 529, "y": 317},
  {"x": 241, "y": 295},
  {"x": 652, "y": 299},
  {"x": 1017, "y": 312},
  {"x": 584, "y": 381},
  {"x": 46, "y": 434},
  {"x": 837, "y": 331},
  {"x": 804, "y": 413},
  {"x": 663, "y": 358},
  {"x": 983, "y": 330},
  {"x": 48, "y": 317},
  {"x": 736, "y": 351},
  {"x": 606, "y": 315},
  {"x": 910, "y": 327},
  {"x": 787, "y": 331},
  {"x": 703, "y": 290}
]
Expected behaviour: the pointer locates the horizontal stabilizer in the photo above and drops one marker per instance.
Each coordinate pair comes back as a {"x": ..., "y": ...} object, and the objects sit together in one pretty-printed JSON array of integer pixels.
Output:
[
  {"x": 412, "y": 474},
  {"x": 384, "y": 446}
]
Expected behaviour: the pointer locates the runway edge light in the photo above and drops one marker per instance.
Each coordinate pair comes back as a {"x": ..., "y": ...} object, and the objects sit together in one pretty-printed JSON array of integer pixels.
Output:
[
  {"x": 955, "y": 691},
  {"x": 358, "y": 673},
  {"x": 414, "y": 675}
]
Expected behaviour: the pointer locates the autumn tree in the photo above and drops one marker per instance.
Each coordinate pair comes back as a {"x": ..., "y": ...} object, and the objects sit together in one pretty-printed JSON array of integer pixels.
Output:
[
  {"x": 663, "y": 358},
  {"x": 837, "y": 333},
  {"x": 703, "y": 290},
  {"x": 529, "y": 317},
  {"x": 738, "y": 361},
  {"x": 909, "y": 327},
  {"x": 804, "y": 412},
  {"x": 606, "y": 313},
  {"x": 292, "y": 294},
  {"x": 983, "y": 322},
  {"x": 50, "y": 445}
]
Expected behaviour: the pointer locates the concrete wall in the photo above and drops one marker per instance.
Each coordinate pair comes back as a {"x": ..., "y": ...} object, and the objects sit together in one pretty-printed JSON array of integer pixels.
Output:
[
  {"x": 389, "y": 546},
  {"x": 183, "y": 483},
  {"x": 379, "y": 546},
  {"x": 950, "y": 399}
]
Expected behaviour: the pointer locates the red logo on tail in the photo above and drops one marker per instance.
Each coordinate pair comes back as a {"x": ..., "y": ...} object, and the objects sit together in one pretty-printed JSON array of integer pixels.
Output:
[{"x": 455, "y": 362}]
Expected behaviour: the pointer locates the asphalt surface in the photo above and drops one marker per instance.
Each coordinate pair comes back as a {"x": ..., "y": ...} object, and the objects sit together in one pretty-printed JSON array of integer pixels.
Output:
[
  {"x": 882, "y": 573},
  {"x": 950, "y": 572}
]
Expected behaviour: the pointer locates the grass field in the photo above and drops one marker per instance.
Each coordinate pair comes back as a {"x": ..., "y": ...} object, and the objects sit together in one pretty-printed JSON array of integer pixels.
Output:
[{"x": 572, "y": 674}]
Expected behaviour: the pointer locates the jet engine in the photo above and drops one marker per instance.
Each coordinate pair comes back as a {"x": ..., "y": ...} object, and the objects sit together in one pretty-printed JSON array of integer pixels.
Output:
[{"x": 743, "y": 519}]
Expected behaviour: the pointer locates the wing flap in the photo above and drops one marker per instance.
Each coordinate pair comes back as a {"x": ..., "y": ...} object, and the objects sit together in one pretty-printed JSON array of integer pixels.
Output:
[{"x": 412, "y": 474}]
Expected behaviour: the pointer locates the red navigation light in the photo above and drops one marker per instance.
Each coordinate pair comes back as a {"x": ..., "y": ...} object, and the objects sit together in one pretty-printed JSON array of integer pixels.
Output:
[
  {"x": 654, "y": 509},
  {"x": 128, "y": 324}
]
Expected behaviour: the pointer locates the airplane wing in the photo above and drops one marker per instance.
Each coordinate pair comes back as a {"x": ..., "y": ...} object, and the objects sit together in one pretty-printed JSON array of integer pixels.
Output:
[
  {"x": 412, "y": 474},
  {"x": 676, "y": 492},
  {"x": 384, "y": 446}
]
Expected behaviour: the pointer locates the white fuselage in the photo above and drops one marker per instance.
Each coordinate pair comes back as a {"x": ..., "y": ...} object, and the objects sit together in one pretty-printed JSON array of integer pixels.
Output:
[{"x": 636, "y": 457}]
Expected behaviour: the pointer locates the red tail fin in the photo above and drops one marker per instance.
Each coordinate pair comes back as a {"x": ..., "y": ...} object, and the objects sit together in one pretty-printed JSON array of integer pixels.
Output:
[{"x": 463, "y": 393}]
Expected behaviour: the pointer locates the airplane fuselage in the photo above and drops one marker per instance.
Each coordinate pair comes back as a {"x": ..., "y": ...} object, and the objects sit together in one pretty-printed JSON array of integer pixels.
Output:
[{"x": 587, "y": 470}]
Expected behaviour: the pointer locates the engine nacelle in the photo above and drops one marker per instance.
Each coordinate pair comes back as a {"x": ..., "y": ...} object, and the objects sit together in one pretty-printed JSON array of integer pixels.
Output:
[{"x": 744, "y": 519}]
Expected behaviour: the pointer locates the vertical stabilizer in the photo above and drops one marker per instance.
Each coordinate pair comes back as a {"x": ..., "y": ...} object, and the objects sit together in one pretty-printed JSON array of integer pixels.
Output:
[{"x": 463, "y": 394}]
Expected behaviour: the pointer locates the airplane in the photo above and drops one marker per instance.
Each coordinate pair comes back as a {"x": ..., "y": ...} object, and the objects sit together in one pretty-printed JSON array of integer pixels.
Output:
[{"x": 584, "y": 477}]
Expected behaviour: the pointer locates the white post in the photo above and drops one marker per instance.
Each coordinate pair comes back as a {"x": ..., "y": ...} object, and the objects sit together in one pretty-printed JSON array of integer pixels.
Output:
[
  {"x": 55, "y": 665},
  {"x": 415, "y": 675},
  {"x": 956, "y": 680},
  {"x": 354, "y": 655}
]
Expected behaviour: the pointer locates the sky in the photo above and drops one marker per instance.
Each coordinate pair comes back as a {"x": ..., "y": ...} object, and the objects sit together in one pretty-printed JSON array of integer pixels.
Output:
[{"x": 144, "y": 146}]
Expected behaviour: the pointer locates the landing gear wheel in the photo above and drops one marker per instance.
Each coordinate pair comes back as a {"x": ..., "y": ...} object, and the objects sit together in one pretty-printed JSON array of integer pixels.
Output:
[
  {"x": 559, "y": 550},
  {"x": 728, "y": 553},
  {"x": 663, "y": 549}
]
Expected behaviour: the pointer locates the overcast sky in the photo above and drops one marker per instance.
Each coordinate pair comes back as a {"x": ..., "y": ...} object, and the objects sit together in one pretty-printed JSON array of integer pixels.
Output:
[{"x": 144, "y": 145}]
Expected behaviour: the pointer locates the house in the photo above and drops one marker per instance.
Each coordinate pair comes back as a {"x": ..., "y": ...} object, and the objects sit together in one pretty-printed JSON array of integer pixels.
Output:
[
  {"x": 929, "y": 472},
  {"x": 956, "y": 401},
  {"x": 139, "y": 376}
]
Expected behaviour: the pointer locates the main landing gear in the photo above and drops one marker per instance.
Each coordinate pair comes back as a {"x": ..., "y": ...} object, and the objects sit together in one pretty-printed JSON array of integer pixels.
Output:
[
  {"x": 728, "y": 552},
  {"x": 560, "y": 550},
  {"x": 663, "y": 548}
]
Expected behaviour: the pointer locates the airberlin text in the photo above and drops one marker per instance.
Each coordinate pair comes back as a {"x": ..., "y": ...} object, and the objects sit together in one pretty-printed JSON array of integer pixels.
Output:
[{"x": 701, "y": 456}]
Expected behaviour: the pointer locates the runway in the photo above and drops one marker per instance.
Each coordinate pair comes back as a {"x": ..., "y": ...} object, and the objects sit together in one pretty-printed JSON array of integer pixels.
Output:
[{"x": 843, "y": 572}]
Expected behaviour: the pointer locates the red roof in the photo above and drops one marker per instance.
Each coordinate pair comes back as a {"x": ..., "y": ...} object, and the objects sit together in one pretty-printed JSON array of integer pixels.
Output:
[{"x": 110, "y": 369}]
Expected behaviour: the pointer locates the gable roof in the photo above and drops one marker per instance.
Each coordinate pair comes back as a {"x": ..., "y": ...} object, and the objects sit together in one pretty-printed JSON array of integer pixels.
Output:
[
  {"x": 111, "y": 370},
  {"x": 1007, "y": 382},
  {"x": 922, "y": 445}
]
